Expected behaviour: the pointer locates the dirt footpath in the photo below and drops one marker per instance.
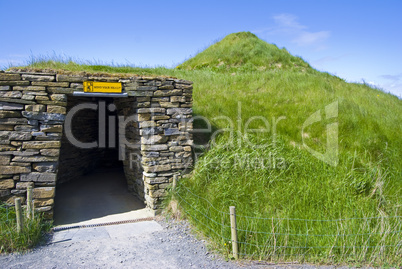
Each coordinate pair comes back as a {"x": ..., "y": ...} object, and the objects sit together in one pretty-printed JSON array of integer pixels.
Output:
[{"x": 162, "y": 244}]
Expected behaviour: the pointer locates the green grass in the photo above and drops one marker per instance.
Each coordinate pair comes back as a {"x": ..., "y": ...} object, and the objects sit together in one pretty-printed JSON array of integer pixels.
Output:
[
  {"x": 245, "y": 51},
  {"x": 283, "y": 203},
  {"x": 31, "y": 235}
]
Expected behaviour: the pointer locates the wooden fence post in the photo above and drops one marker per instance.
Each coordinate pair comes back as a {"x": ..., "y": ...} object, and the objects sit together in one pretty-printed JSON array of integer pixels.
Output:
[
  {"x": 233, "y": 226},
  {"x": 174, "y": 182},
  {"x": 29, "y": 203},
  {"x": 18, "y": 213}
]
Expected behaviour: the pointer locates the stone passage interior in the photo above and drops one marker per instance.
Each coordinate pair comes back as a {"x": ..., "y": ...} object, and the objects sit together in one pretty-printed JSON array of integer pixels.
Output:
[{"x": 53, "y": 132}]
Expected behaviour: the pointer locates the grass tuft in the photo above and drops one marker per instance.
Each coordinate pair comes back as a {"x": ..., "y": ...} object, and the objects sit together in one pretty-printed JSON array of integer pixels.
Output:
[{"x": 31, "y": 235}]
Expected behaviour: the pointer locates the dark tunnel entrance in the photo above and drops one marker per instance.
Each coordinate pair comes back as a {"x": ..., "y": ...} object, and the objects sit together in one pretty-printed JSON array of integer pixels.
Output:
[{"x": 92, "y": 182}]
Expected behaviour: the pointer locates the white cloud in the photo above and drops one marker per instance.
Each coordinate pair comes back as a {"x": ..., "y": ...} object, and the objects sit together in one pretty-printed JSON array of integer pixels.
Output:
[
  {"x": 288, "y": 21},
  {"x": 311, "y": 38},
  {"x": 288, "y": 25},
  {"x": 392, "y": 77}
]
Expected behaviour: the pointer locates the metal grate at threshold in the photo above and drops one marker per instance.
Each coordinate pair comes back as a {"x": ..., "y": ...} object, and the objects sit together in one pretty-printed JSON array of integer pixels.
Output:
[{"x": 56, "y": 229}]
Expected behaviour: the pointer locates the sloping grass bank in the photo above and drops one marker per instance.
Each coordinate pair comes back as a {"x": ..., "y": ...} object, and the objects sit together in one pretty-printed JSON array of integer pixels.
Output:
[{"x": 301, "y": 209}]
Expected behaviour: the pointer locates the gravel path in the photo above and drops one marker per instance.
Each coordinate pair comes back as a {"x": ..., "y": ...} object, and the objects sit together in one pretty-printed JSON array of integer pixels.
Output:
[{"x": 173, "y": 245}]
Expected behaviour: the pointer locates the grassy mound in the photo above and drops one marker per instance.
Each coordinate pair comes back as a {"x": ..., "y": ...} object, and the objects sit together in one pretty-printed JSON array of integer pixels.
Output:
[
  {"x": 244, "y": 51},
  {"x": 292, "y": 205}
]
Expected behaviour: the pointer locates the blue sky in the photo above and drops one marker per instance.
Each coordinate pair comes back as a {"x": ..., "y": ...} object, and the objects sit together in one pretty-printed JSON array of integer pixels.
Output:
[{"x": 355, "y": 40}]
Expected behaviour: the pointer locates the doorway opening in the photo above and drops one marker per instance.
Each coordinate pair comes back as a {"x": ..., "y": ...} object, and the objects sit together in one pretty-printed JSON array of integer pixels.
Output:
[{"x": 95, "y": 182}]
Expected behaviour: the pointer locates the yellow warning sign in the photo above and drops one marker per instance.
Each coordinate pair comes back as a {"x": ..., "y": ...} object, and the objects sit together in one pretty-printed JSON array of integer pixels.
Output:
[{"x": 94, "y": 86}]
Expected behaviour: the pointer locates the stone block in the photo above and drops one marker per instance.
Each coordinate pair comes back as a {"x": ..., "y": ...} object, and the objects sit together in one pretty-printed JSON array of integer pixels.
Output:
[
  {"x": 56, "y": 128},
  {"x": 41, "y": 145},
  {"x": 10, "y": 170},
  {"x": 183, "y": 86},
  {"x": 153, "y": 139},
  {"x": 51, "y": 84},
  {"x": 29, "y": 88},
  {"x": 5, "y": 160},
  {"x": 35, "y": 108},
  {"x": 25, "y": 128},
  {"x": 50, "y": 152},
  {"x": 178, "y": 99},
  {"x": 23, "y": 185},
  {"x": 9, "y": 114},
  {"x": 157, "y": 168},
  {"x": 13, "y": 121},
  {"x": 71, "y": 78},
  {"x": 182, "y": 111},
  {"x": 151, "y": 110},
  {"x": 144, "y": 99},
  {"x": 4, "y": 193},
  {"x": 155, "y": 180},
  {"x": 34, "y": 159},
  {"x": 161, "y": 99},
  {"x": 18, "y": 192},
  {"x": 168, "y": 104},
  {"x": 10, "y": 94},
  {"x": 11, "y": 200},
  {"x": 143, "y": 104},
  {"x": 14, "y": 83},
  {"x": 166, "y": 87},
  {"x": 156, "y": 193},
  {"x": 16, "y": 135},
  {"x": 16, "y": 100},
  {"x": 43, "y": 192},
  {"x": 41, "y": 98},
  {"x": 56, "y": 109},
  {"x": 58, "y": 97},
  {"x": 28, "y": 97},
  {"x": 77, "y": 85},
  {"x": 43, "y": 116},
  {"x": 147, "y": 124},
  {"x": 151, "y": 131},
  {"x": 176, "y": 148},
  {"x": 144, "y": 117},
  {"x": 61, "y": 90},
  {"x": 39, "y": 177},
  {"x": 43, "y": 202},
  {"x": 167, "y": 92},
  {"x": 8, "y": 77},
  {"x": 149, "y": 174},
  {"x": 48, "y": 102},
  {"x": 160, "y": 117},
  {"x": 28, "y": 152},
  {"x": 172, "y": 131},
  {"x": 37, "y": 77},
  {"x": 154, "y": 147},
  {"x": 140, "y": 93},
  {"x": 6, "y": 184},
  {"x": 183, "y": 81},
  {"x": 7, "y": 148},
  {"x": 6, "y": 127},
  {"x": 143, "y": 88},
  {"x": 10, "y": 106},
  {"x": 50, "y": 167}
]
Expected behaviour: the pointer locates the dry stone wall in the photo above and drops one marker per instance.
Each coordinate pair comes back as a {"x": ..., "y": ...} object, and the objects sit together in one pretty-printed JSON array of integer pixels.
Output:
[{"x": 153, "y": 128}]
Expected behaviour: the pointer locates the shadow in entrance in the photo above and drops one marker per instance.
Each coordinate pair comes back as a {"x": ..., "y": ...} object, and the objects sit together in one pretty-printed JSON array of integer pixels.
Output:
[{"x": 93, "y": 196}]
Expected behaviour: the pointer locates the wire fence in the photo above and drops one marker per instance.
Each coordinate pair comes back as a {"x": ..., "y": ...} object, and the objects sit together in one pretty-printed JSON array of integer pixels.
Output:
[
  {"x": 362, "y": 239},
  {"x": 7, "y": 218}
]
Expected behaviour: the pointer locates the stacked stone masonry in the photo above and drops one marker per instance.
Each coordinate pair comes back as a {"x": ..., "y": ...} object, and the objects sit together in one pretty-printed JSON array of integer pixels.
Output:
[{"x": 154, "y": 125}]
